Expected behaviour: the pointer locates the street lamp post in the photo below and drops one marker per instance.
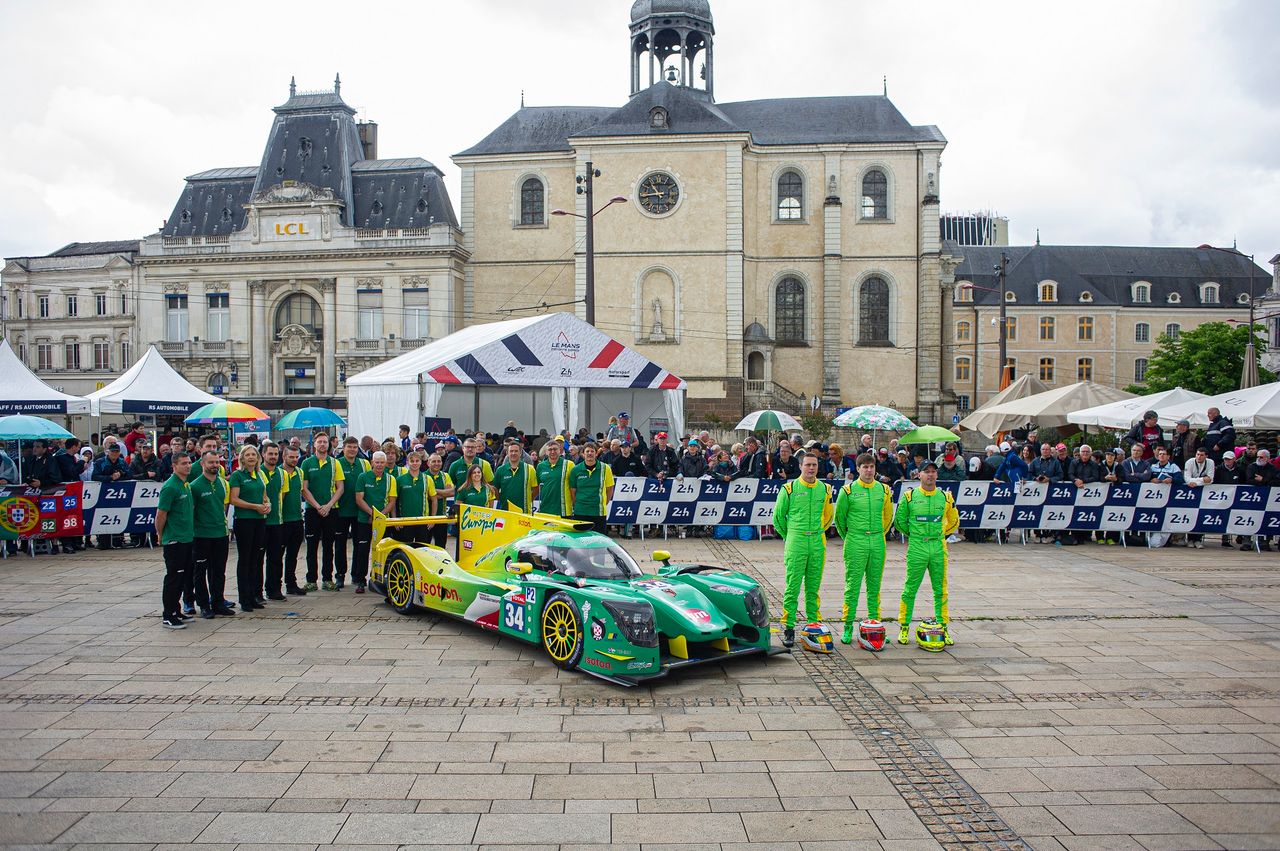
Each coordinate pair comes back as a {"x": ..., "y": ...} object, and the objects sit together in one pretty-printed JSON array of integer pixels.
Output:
[
  {"x": 1250, "y": 372},
  {"x": 586, "y": 186},
  {"x": 1000, "y": 269}
]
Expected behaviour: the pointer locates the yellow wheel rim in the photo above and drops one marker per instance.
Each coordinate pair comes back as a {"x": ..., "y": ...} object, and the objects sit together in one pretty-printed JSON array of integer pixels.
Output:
[
  {"x": 559, "y": 630},
  {"x": 399, "y": 583}
]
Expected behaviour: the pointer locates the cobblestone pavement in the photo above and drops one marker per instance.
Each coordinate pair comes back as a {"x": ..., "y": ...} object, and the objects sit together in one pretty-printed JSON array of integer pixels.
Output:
[{"x": 1097, "y": 697}]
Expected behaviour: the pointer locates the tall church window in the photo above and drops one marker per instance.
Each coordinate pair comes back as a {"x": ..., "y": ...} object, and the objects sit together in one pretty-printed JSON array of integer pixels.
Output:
[
  {"x": 790, "y": 197},
  {"x": 873, "y": 313},
  {"x": 875, "y": 195},
  {"x": 532, "y": 206},
  {"x": 789, "y": 311}
]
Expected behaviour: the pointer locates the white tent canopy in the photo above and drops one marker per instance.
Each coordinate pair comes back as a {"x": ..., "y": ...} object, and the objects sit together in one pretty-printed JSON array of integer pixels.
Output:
[
  {"x": 1127, "y": 412},
  {"x": 525, "y": 370},
  {"x": 150, "y": 386},
  {"x": 1024, "y": 385},
  {"x": 1255, "y": 407},
  {"x": 21, "y": 392},
  {"x": 1048, "y": 409}
]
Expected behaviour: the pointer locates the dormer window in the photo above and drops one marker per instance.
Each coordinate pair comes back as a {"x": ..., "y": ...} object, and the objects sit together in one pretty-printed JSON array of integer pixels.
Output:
[
  {"x": 964, "y": 294},
  {"x": 1010, "y": 296},
  {"x": 1208, "y": 293},
  {"x": 1048, "y": 291},
  {"x": 1243, "y": 298},
  {"x": 1141, "y": 293},
  {"x": 1086, "y": 297},
  {"x": 1174, "y": 298},
  {"x": 658, "y": 118}
]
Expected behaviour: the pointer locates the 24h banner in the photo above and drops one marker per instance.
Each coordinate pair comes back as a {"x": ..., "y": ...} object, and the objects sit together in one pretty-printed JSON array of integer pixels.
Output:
[{"x": 27, "y": 512}]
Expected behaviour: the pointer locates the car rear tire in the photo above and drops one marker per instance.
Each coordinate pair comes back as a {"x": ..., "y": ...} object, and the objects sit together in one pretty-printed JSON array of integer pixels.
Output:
[
  {"x": 562, "y": 636},
  {"x": 399, "y": 579}
]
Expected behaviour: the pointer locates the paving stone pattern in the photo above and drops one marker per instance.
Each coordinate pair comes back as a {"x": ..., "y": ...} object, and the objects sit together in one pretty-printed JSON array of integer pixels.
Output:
[{"x": 1096, "y": 698}]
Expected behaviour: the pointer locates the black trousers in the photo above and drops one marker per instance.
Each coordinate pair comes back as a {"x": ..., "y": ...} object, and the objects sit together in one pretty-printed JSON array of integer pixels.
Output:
[
  {"x": 273, "y": 546},
  {"x": 320, "y": 533},
  {"x": 293, "y": 537},
  {"x": 209, "y": 572},
  {"x": 177, "y": 564},
  {"x": 345, "y": 530},
  {"x": 360, "y": 552},
  {"x": 440, "y": 535},
  {"x": 251, "y": 536},
  {"x": 597, "y": 523},
  {"x": 418, "y": 534}
]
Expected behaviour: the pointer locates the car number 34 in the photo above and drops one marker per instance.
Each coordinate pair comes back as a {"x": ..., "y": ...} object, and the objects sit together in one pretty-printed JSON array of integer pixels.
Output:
[{"x": 513, "y": 615}]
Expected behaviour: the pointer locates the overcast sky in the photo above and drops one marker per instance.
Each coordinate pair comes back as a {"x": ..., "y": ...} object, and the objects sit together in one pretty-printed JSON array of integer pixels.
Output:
[{"x": 1128, "y": 123}]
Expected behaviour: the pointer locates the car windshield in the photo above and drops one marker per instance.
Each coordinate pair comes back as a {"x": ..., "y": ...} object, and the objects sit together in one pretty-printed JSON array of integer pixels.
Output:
[{"x": 611, "y": 562}]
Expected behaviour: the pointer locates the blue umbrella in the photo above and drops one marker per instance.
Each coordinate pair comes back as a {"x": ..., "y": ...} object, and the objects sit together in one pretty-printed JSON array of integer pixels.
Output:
[
  {"x": 23, "y": 427},
  {"x": 310, "y": 418}
]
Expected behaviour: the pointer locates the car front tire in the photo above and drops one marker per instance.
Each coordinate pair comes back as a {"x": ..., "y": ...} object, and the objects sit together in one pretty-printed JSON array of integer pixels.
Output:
[
  {"x": 399, "y": 580},
  {"x": 562, "y": 635}
]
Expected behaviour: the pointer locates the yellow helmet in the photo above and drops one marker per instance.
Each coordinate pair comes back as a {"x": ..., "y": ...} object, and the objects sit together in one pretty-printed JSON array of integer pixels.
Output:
[{"x": 931, "y": 636}]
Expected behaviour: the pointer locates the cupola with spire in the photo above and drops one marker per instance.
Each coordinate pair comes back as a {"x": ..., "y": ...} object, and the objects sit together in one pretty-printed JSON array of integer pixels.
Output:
[{"x": 673, "y": 40}]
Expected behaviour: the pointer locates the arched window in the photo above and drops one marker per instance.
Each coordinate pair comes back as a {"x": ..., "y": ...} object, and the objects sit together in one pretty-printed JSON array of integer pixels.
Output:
[
  {"x": 1173, "y": 330},
  {"x": 790, "y": 196},
  {"x": 218, "y": 383},
  {"x": 963, "y": 369},
  {"x": 1046, "y": 370},
  {"x": 1048, "y": 291},
  {"x": 1048, "y": 328},
  {"x": 1141, "y": 294},
  {"x": 300, "y": 309},
  {"x": 531, "y": 202},
  {"x": 1142, "y": 333},
  {"x": 1208, "y": 293},
  {"x": 964, "y": 294},
  {"x": 964, "y": 332},
  {"x": 873, "y": 313},
  {"x": 875, "y": 195},
  {"x": 1084, "y": 369},
  {"x": 755, "y": 367},
  {"x": 1140, "y": 370},
  {"x": 789, "y": 311}
]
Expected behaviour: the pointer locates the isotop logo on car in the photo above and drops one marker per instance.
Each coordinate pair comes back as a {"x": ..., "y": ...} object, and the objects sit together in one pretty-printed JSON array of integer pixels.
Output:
[{"x": 435, "y": 589}]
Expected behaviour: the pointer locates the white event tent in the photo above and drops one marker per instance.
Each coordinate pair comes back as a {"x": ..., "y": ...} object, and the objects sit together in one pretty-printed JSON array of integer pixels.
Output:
[
  {"x": 21, "y": 392},
  {"x": 150, "y": 386},
  {"x": 1253, "y": 407},
  {"x": 1047, "y": 410},
  {"x": 526, "y": 370},
  {"x": 1128, "y": 412}
]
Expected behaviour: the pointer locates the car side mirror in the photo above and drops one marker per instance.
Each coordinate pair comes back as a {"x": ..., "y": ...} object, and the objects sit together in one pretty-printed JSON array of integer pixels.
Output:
[
  {"x": 519, "y": 568},
  {"x": 662, "y": 556}
]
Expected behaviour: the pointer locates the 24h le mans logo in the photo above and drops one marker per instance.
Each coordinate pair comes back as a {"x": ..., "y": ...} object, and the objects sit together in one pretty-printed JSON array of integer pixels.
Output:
[{"x": 19, "y": 515}]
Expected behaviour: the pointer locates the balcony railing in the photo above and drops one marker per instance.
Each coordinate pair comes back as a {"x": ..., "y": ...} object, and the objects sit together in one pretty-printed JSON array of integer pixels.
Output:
[
  {"x": 413, "y": 344},
  {"x": 392, "y": 233},
  {"x": 196, "y": 244}
]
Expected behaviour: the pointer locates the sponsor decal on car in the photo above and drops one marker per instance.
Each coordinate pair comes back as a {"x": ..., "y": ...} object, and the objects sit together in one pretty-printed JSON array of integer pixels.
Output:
[
  {"x": 597, "y": 629},
  {"x": 657, "y": 585},
  {"x": 599, "y": 663},
  {"x": 727, "y": 589},
  {"x": 440, "y": 592},
  {"x": 531, "y": 596},
  {"x": 699, "y": 615},
  {"x": 635, "y": 666},
  {"x": 483, "y": 523}
]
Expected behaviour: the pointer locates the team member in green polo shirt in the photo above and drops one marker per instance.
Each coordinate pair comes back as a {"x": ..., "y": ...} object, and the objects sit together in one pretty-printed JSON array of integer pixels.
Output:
[
  {"x": 274, "y": 544},
  {"x": 470, "y": 455},
  {"x": 444, "y": 489},
  {"x": 175, "y": 529},
  {"x": 516, "y": 482},
  {"x": 249, "y": 496},
  {"x": 291, "y": 519},
  {"x": 322, "y": 485},
  {"x": 415, "y": 497},
  {"x": 352, "y": 466},
  {"x": 590, "y": 489},
  {"x": 474, "y": 490},
  {"x": 553, "y": 480},
  {"x": 210, "y": 495},
  {"x": 375, "y": 489}
]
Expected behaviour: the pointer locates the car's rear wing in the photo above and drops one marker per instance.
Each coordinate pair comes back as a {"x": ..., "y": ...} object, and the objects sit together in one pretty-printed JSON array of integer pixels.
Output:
[
  {"x": 482, "y": 530},
  {"x": 382, "y": 522}
]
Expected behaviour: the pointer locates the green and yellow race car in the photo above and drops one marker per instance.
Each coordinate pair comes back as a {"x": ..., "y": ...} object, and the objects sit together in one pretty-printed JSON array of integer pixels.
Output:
[{"x": 551, "y": 581}]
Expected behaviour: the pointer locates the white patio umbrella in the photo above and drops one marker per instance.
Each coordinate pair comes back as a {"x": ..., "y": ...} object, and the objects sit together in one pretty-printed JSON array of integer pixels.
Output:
[
  {"x": 768, "y": 420},
  {"x": 1127, "y": 412},
  {"x": 1254, "y": 407},
  {"x": 1048, "y": 409}
]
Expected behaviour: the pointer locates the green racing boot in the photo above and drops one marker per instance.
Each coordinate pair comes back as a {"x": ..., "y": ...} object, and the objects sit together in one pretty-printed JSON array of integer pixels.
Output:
[
  {"x": 847, "y": 636},
  {"x": 904, "y": 633}
]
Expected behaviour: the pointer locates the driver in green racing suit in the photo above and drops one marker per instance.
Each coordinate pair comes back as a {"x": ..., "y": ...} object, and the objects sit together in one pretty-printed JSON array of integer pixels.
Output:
[
  {"x": 864, "y": 512},
  {"x": 926, "y": 516},
  {"x": 801, "y": 515}
]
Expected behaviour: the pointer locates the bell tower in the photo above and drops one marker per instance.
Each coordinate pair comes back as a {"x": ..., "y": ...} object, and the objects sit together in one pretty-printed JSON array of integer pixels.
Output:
[{"x": 671, "y": 40}]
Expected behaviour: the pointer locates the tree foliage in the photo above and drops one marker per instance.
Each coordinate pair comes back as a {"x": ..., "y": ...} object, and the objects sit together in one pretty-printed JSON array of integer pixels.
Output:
[
  {"x": 1208, "y": 359},
  {"x": 817, "y": 425}
]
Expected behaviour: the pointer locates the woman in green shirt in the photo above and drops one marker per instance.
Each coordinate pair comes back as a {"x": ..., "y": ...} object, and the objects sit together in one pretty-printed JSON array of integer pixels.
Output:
[
  {"x": 475, "y": 491},
  {"x": 249, "y": 496}
]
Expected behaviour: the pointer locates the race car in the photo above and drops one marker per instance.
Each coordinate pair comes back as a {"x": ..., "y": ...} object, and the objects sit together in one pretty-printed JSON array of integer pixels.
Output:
[{"x": 554, "y": 582}]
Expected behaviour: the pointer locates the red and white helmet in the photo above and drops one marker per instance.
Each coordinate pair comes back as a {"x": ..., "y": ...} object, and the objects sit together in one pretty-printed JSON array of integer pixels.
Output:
[{"x": 871, "y": 635}]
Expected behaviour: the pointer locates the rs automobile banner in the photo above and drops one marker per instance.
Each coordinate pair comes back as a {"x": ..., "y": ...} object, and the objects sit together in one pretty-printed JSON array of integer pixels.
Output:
[{"x": 27, "y": 512}]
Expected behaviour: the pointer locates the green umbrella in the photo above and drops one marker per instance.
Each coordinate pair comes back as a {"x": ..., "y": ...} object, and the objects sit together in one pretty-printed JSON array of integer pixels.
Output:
[
  {"x": 928, "y": 434},
  {"x": 874, "y": 418},
  {"x": 768, "y": 420}
]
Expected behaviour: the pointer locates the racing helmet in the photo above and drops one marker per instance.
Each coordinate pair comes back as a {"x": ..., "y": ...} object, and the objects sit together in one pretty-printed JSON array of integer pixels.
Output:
[
  {"x": 871, "y": 635},
  {"x": 931, "y": 636},
  {"x": 816, "y": 638}
]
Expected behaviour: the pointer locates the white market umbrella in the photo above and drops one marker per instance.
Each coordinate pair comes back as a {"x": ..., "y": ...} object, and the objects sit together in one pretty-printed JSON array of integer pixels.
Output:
[
  {"x": 1128, "y": 412},
  {"x": 1255, "y": 408},
  {"x": 768, "y": 420},
  {"x": 1047, "y": 410}
]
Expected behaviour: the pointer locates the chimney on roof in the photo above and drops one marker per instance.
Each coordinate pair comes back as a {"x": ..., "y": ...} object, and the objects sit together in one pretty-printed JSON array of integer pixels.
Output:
[{"x": 368, "y": 131}]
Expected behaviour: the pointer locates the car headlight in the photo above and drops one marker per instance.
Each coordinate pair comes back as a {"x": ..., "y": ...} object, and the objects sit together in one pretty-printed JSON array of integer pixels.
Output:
[
  {"x": 756, "y": 608},
  {"x": 635, "y": 620}
]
